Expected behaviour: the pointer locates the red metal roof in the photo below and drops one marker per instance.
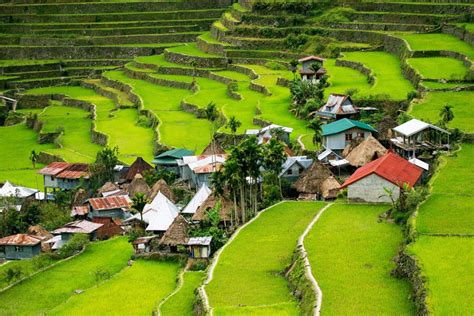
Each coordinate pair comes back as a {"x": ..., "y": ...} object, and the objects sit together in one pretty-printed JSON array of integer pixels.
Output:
[
  {"x": 391, "y": 167},
  {"x": 54, "y": 168},
  {"x": 20, "y": 240},
  {"x": 75, "y": 171},
  {"x": 109, "y": 202},
  {"x": 209, "y": 168}
]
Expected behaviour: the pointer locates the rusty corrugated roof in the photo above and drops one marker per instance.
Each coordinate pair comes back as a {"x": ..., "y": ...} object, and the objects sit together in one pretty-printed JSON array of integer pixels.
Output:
[
  {"x": 54, "y": 168},
  {"x": 75, "y": 171},
  {"x": 84, "y": 227},
  {"x": 79, "y": 210},
  {"x": 109, "y": 202},
  {"x": 20, "y": 240}
]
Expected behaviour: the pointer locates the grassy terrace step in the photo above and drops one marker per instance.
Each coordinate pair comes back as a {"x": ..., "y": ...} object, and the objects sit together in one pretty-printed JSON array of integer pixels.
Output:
[
  {"x": 68, "y": 32},
  {"x": 428, "y": 68},
  {"x": 177, "y": 128},
  {"x": 109, "y": 6},
  {"x": 429, "y": 107},
  {"x": 343, "y": 79},
  {"x": 203, "y": 24},
  {"x": 441, "y": 86},
  {"x": 109, "y": 17},
  {"x": 190, "y": 52},
  {"x": 50, "y": 288},
  {"x": 373, "y": 26},
  {"x": 121, "y": 98},
  {"x": 42, "y": 82},
  {"x": 245, "y": 283},
  {"x": 121, "y": 126},
  {"x": 412, "y": 6},
  {"x": 352, "y": 264},
  {"x": 403, "y": 17}
]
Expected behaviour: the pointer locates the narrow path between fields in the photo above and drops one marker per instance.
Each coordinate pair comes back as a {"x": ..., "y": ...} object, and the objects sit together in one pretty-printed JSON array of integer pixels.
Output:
[
  {"x": 180, "y": 285},
  {"x": 307, "y": 265}
]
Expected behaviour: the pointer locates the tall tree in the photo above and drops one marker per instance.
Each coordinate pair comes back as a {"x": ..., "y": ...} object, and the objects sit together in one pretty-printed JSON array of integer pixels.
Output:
[
  {"x": 139, "y": 202},
  {"x": 102, "y": 170},
  {"x": 233, "y": 124},
  {"x": 294, "y": 66},
  {"x": 446, "y": 113},
  {"x": 316, "y": 126},
  {"x": 273, "y": 158},
  {"x": 194, "y": 64},
  {"x": 34, "y": 158}
]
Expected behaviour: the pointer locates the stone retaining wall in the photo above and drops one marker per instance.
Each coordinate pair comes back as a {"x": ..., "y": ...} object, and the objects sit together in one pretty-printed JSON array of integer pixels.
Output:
[
  {"x": 459, "y": 32},
  {"x": 202, "y": 62}
]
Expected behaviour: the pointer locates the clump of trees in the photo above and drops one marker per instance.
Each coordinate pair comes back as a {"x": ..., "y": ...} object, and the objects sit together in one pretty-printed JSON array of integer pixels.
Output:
[{"x": 307, "y": 97}]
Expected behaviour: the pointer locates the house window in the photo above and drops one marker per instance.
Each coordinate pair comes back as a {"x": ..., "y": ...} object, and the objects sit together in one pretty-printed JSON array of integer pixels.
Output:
[
  {"x": 18, "y": 249},
  {"x": 2, "y": 249},
  {"x": 301, "y": 170},
  {"x": 348, "y": 136},
  {"x": 290, "y": 171},
  {"x": 360, "y": 135}
]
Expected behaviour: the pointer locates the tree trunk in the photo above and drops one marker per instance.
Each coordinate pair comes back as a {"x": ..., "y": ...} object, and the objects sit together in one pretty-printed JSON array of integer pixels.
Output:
[
  {"x": 236, "y": 214},
  {"x": 242, "y": 202}
]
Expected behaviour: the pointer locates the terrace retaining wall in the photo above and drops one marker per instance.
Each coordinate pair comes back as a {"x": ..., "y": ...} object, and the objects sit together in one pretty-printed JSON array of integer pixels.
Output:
[{"x": 459, "y": 32}]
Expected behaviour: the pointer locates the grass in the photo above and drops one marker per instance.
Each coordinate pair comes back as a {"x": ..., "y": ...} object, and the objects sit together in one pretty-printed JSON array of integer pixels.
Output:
[
  {"x": 245, "y": 282},
  {"x": 27, "y": 267},
  {"x": 50, "y": 288},
  {"x": 440, "y": 85},
  {"x": 16, "y": 145},
  {"x": 342, "y": 79},
  {"x": 438, "y": 41},
  {"x": 429, "y": 68},
  {"x": 177, "y": 128},
  {"x": 389, "y": 80},
  {"x": 446, "y": 264},
  {"x": 428, "y": 108},
  {"x": 159, "y": 60},
  {"x": 181, "y": 303},
  {"x": 120, "y": 126},
  {"x": 147, "y": 281},
  {"x": 351, "y": 256},
  {"x": 191, "y": 50},
  {"x": 448, "y": 210}
]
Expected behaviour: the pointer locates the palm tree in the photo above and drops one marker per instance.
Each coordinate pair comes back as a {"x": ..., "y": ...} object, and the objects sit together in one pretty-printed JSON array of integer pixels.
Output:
[
  {"x": 446, "y": 113},
  {"x": 273, "y": 159},
  {"x": 316, "y": 66},
  {"x": 233, "y": 124},
  {"x": 211, "y": 112},
  {"x": 294, "y": 65},
  {"x": 316, "y": 126},
  {"x": 139, "y": 202},
  {"x": 34, "y": 158},
  {"x": 194, "y": 64}
]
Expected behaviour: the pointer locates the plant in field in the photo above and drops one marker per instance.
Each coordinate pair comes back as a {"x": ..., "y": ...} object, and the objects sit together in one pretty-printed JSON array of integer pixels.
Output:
[
  {"x": 194, "y": 65},
  {"x": 302, "y": 91},
  {"x": 12, "y": 274},
  {"x": 233, "y": 124},
  {"x": 316, "y": 126},
  {"x": 139, "y": 202},
  {"x": 34, "y": 158},
  {"x": 294, "y": 66},
  {"x": 446, "y": 113}
]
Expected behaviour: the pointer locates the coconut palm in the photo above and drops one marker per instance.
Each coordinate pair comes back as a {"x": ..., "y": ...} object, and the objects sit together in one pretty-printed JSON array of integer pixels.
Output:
[
  {"x": 34, "y": 158},
  {"x": 139, "y": 202},
  {"x": 233, "y": 124},
  {"x": 294, "y": 65},
  {"x": 446, "y": 113}
]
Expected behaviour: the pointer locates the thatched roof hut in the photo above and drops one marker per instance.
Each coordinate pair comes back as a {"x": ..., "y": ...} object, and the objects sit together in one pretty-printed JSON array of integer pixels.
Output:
[
  {"x": 107, "y": 187},
  {"x": 370, "y": 149},
  {"x": 161, "y": 186},
  {"x": 214, "y": 148},
  {"x": 41, "y": 232},
  {"x": 138, "y": 185},
  {"x": 317, "y": 179},
  {"x": 139, "y": 166},
  {"x": 225, "y": 212},
  {"x": 177, "y": 233}
]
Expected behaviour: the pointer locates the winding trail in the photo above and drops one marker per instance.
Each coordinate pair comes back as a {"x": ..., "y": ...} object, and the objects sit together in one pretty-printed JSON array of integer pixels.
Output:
[
  {"x": 307, "y": 265},
  {"x": 176, "y": 290}
]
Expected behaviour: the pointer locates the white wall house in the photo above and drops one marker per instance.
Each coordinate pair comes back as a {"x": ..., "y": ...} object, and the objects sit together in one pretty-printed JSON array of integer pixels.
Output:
[{"x": 337, "y": 135}]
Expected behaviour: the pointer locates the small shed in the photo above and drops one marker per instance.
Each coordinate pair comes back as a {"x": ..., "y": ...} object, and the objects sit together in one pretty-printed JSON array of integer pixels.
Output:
[
  {"x": 144, "y": 244},
  {"x": 106, "y": 188},
  {"x": 176, "y": 235},
  {"x": 337, "y": 106},
  {"x": 199, "y": 247},
  {"x": 20, "y": 246},
  {"x": 225, "y": 213},
  {"x": 115, "y": 206},
  {"x": 368, "y": 150},
  {"x": 294, "y": 166},
  {"x": 138, "y": 185},
  {"x": 139, "y": 166}
]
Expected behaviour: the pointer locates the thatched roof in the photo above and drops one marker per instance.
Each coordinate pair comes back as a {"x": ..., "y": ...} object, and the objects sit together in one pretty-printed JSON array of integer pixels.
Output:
[
  {"x": 370, "y": 149},
  {"x": 317, "y": 179},
  {"x": 177, "y": 233},
  {"x": 39, "y": 231},
  {"x": 80, "y": 197},
  {"x": 139, "y": 166},
  {"x": 214, "y": 148},
  {"x": 138, "y": 185},
  {"x": 225, "y": 212},
  {"x": 107, "y": 187},
  {"x": 329, "y": 188},
  {"x": 161, "y": 186}
]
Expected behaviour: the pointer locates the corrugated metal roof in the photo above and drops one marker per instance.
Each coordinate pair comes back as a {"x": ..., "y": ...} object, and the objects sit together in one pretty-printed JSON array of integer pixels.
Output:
[
  {"x": 75, "y": 171},
  {"x": 54, "y": 168},
  {"x": 312, "y": 57},
  {"x": 9, "y": 189},
  {"x": 342, "y": 125},
  {"x": 80, "y": 210},
  {"x": 199, "y": 241},
  {"x": 415, "y": 126},
  {"x": 20, "y": 240},
  {"x": 391, "y": 167},
  {"x": 84, "y": 227},
  {"x": 109, "y": 202}
]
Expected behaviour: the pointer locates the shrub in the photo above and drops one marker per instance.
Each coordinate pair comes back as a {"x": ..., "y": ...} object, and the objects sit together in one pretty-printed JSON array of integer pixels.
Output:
[
  {"x": 12, "y": 274},
  {"x": 294, "y": 42},
  {"x": 412, "y": 95},
  {"x": 335, "y": 15},
  {"x": 144, "y": 121},
  {"x": 275, "y": 66},
  {"x": 351, "y": 92},
  {"x": 198, "y": 266},
  {"x": 73, "y": 246}
]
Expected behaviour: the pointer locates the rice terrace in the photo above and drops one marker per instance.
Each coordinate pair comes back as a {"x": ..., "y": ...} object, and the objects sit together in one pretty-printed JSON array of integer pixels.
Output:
[{"x": 236, "y": 157}]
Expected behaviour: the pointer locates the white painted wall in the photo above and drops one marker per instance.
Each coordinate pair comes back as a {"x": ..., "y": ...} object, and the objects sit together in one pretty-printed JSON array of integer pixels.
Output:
[{"x": 371, "y": 189}]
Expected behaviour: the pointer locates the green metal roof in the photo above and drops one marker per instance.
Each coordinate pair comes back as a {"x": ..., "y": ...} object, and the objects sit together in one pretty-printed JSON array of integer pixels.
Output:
[
  {"x": 170, "y": 156},
  {"x": 342, "y": 125}
]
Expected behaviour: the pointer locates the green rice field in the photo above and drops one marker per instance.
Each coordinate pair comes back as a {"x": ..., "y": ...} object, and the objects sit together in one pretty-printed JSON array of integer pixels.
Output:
[
  {"x": 181, "y": 303},
  {"x": 246, "y": 283},
  {"x": 428, "y": 68},
  {"x": 351, "y": 254},
  {"x": 343, "y": 79},
  {"x": 438, "y": 41}
]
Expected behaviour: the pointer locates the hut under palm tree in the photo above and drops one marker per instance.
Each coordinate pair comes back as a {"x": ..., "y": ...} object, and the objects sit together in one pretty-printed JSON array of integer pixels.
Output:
[{"x": 317, "y": 182}]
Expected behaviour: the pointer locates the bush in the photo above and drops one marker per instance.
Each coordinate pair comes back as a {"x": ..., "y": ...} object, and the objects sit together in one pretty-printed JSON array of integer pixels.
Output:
[
  {"x": 294, "y": 42},
  {"x": 73, "y": 246},
  {"x": 12, "y": 274},
  {"x": 144, "y": 121},
  {"x": 198, "y": 266},
  {"x": 412, "y": 95},
  {"x": 275, "y": 66}
]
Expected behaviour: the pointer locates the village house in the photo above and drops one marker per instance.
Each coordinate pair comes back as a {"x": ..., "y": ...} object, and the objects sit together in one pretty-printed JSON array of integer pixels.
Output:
[
  {"x": 168, "y": 159},
  {"x": 294, "y": 166},
  {"x": 139, "y": 166},
  {"x": 110, "y": 206},
  {"x": 18, "y": 193},
  {"x": 415, "y": 137},
  {"x": 64, "y": 234},
  {"x": 307, "y": 72},
  {"x": 145, "y": 244},
  {"x": 175, "y": 236},
  {"x": 337, "y": 135},
  {"x": 266, "y": 133},
  {"x": 157, "y": 215},
  {"x": 317, "y": 183},
  {"x": 226, "y": 211},
  {"x": 20, "y": 246},
  {"x": 64, "y": 175},
  {"x": 198, "y": 199},
  {"x": 371, "y": 182},
  {"x": 338, "y": 106},
  {"x": 197, "y": 170},
  {"x": 200, "y": 247},
  {"x": 161, "y": 186}
]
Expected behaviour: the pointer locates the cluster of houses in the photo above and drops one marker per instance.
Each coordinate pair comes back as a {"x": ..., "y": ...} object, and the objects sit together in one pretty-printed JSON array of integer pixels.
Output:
[{"x": 351, "y": 150}]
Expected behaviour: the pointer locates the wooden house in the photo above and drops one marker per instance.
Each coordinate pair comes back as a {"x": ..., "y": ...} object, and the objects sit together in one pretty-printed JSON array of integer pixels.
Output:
[
  {"x": 414, "y": 137},
  {"x": 176, "y": 235},
  {"x": 307, "y": 72},
  {"x": 18, "y": 194},
  {"x": 337, "y": 135},
  {"x": 294, "y": 166},
  {"x": 63, "y": 175},
  {"x": 389, "y": 172},
  {"x": 20, "y": 246},
  {"x": 168, "y": 159},
  {"x": 338, "y": 106},
  {"x": 145, "y": 244},
  {"x": 197, "y": 170},
  {"x": 115, "y": 206},
  {"x": 199, "y": 247},
  {"x": 64, "y": 234},
  {"x": 139, "y": 166},
  {"x": 110, "y": 227}
]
